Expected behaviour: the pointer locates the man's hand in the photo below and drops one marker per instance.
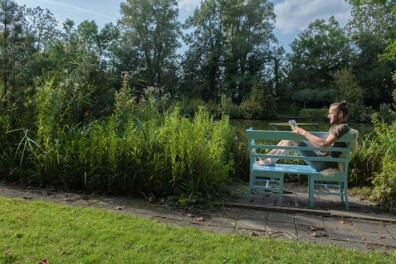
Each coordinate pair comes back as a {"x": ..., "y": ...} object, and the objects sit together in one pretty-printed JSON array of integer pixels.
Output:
[{"x": 299, "y": 130}]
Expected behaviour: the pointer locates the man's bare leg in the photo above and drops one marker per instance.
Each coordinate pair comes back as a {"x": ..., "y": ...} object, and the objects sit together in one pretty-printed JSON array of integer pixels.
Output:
[{"x": 272, "y": 161}]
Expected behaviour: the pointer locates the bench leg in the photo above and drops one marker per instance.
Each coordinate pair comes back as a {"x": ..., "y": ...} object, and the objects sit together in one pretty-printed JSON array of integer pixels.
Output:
[
  {"x": 251, "y": 183},
  {"x": 280, "y": 192},
  {"x": 311, "y": 187},
  {"x": 342, "y": 192},
  {"x": 345, "y": 189}
]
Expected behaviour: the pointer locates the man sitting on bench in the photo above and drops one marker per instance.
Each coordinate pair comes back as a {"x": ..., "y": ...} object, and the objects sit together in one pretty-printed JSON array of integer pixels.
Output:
[{"x": 338, "y": 114}]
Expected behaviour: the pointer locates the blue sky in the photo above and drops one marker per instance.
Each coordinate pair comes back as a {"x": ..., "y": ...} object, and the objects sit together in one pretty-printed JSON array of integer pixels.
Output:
[{"x": 293, "y": 16}]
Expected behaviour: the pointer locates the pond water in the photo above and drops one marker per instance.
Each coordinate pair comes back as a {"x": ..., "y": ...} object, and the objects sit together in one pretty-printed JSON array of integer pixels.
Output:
[{"x": 242, "y": 125}]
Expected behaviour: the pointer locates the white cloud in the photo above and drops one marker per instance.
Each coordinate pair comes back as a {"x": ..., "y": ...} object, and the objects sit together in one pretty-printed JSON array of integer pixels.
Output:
[{"x": 295, "y": 15}]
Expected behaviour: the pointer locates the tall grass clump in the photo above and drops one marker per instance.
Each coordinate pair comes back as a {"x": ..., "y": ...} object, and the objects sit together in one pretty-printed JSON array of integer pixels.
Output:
[
  {"x": 374, "y": 163},
  {"x": 197, "y": 152},
  {"x": 385, "y": 180},
  {"x": 136, "y": 150},
  {"x": 173, "y": 156},
  {"x": 365, "y": 161}
]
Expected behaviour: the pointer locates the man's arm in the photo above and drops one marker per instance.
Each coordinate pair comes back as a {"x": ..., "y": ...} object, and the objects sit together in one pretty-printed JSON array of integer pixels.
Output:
[{"x": 320, "y": 142}]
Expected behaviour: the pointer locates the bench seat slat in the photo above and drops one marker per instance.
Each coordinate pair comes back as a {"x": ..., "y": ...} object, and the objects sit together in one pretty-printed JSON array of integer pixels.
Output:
[
  {"x": 299, "y": 158},
  {"x": 286, "y": 168}
]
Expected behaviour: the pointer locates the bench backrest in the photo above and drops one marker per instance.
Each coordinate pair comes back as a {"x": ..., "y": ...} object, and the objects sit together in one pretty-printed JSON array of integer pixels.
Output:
[{"x": 259, "y": 140}]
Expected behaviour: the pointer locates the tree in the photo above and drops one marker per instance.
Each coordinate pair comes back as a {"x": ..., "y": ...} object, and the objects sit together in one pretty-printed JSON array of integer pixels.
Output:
[
  {"x": 347, "y": 88},
  {"x": 87, "y": 32},
  {"x": 229, "y": 47},
  {"x": 10, "y": 27},
  {"x": 41, "y": 25},
  {"x": 318, "y": 51},
  {"x": 249, "y": 31},
  {"x": 153, "y": 28},
  {"x": 202, "y": 65},
  {"x": 369, "y": 30}
]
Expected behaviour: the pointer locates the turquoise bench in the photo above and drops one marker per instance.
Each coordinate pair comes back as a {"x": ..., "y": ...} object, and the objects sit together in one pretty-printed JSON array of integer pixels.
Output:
[{"x": 271, "y": 178}]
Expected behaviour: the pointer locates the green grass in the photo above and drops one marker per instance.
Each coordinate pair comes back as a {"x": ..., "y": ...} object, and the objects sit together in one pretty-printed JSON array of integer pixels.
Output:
[{"x": 31, "y": 231}]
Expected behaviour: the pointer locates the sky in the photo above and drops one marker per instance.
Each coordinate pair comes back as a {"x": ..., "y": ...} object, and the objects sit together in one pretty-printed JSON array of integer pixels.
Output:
[{"x": 292, "y": 16}]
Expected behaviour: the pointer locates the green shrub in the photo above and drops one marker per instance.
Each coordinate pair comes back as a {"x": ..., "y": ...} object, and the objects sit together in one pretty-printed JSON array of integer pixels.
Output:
[
  {"x": 386, "y": 113},
  {"x": 314, "y": 114},
  {"x": 365, "y": 161},
  {"x": 252, "y": 109},
  {"x": 385, "y": 181},
  {"x": 260, "y": 104},
  {"x": 169, "y": 155}
]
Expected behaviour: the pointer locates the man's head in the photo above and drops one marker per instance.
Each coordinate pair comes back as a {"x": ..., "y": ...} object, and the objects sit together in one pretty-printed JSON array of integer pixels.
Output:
[{"x": 338, "y": 112}]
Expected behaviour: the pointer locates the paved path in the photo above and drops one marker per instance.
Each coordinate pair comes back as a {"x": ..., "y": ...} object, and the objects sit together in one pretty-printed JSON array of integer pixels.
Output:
[{"x": 363, "y": 231}]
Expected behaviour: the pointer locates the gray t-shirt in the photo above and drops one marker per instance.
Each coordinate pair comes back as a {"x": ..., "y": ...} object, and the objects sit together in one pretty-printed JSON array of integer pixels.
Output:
[{"x": 338, "y": 131}]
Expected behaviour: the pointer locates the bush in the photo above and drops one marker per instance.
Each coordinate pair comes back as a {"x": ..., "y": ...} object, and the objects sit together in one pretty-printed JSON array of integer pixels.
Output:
[
  {"x": 260, "y": 104},
  {"x": 385, "y": 181},
  {"x": 360, "y": 113},
  {"x": 314, "y": 114},
  {"x": 365, "y": 162},
  {"x": 169, "y": 155},
  {"x": 252, "y": 109},
  {"x": 230, "y": 109}
]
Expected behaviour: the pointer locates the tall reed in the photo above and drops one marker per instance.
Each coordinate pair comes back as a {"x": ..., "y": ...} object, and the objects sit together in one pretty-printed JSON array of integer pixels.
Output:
[
  {"x": 365, "y": 161},
  {"x": 134, "y": 151},
  {"x": 385, "y": 180}
]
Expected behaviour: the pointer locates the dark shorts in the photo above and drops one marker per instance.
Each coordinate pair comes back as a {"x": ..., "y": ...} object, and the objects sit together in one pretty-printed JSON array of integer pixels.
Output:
[{"x": 316, "y": 165}]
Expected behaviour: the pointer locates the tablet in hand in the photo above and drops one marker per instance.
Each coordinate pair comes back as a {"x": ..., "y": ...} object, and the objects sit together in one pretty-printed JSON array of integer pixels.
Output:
[{"x": 293, "y": 124}]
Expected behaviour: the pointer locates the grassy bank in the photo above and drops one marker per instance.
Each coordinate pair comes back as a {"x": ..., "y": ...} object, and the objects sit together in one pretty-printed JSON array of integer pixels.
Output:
[{"x": 31, "y": 231}]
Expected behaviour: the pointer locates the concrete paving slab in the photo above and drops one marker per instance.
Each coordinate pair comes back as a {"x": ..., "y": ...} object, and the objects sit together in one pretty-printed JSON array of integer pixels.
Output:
[
  {"x": 379, "y": 239},
  {"x": 339, "y": 234},
  {"x": 339, "y": 223},
  {"x": 281, "y": 230},
  {"x": 304, "y": 233},
  {"x": 251, "y": 233},
  {"x": 234, "y": 213},
  {"x": 178, "y": 223},
  {"x": 251, "y": 224},
  {"x": 254, "y": 214},
  {"x": 370, "y": 226},
  {"x": 280, "y": 217},
  {"x": 219, "y": 229},
  {"x": 221, "y": 221},
  {"x": 391, "y": 228},
  {"x": 308, "y": 220},
  {"x": 181, "y": 216},
  {"x": 143, "y": 212},
  {"x": 364, "y": 214},
  {"x": 290, "y": 227}
]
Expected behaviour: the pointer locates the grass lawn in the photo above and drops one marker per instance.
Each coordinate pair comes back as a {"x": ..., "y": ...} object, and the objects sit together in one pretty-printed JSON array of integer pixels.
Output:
[{"x": 32, "y": 231}]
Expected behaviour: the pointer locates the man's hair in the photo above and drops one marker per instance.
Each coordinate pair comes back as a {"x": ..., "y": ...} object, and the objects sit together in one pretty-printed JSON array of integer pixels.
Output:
[{"x": 341, "y": 106}]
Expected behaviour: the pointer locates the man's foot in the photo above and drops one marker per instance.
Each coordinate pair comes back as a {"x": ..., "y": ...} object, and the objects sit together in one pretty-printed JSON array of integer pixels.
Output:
[{"x": 265, "y": 162}]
